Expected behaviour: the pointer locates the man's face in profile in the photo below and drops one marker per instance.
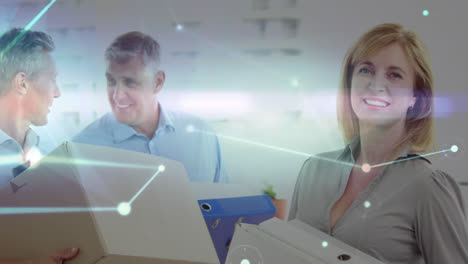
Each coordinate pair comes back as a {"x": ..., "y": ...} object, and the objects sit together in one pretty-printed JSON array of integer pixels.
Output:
[{"x": 42, "y": 89}]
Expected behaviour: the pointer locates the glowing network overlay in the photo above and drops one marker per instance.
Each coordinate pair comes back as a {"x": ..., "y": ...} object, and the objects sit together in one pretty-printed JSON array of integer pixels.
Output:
[
  {"x": 124, "y": 208},
  {"x": 365, "y": 167},
  {"x": 13, "y": 159},
  {"x": 27, "y": 27}
]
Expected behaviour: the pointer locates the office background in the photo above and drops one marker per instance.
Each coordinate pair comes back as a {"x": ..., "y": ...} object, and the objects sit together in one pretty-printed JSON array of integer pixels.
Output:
[{"x": 263, "y": 73}]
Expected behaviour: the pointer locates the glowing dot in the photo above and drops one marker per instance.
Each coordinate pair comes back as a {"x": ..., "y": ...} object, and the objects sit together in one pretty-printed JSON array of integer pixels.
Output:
[
  {"x": 367, "y": 204},
  {"x": 425, "y": 13},
  {"x": 124, "y": 208},
  {"x": 179, "y": 27},
  {"x": 295, "y": 83},
  {"x": 33, "y": 155},
  {"x": 324, "y": 244},
  {"x": 245, "y": 261},
  {"x": 190, "y": 128},
  {"x": 454, "y": 148},
  {"x": 161, "y": 168},
  {"x": 366, "y": 167}
]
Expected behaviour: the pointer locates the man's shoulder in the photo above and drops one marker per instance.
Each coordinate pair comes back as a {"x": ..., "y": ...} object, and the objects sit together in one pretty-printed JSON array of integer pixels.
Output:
[
  {"x": 97, "y": 130},
  {"x": 187, "y": 121}
]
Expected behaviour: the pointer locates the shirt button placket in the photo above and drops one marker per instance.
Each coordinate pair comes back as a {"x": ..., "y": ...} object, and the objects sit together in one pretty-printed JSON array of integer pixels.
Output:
[{"x": 152, "y": 147}]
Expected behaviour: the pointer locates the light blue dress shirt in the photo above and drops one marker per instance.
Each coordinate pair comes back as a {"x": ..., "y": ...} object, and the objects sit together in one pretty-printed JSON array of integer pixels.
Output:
[
  {"x": 11, "y": 153},
  {"x": 179, "y": 137}
]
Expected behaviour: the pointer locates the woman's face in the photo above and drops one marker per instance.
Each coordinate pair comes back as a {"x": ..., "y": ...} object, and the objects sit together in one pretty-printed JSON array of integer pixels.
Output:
[{"x": 382, "y": 87}]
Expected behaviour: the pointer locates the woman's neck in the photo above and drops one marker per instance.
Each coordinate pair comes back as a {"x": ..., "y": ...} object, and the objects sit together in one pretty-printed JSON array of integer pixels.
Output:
[{"x": 379, "y": 144}]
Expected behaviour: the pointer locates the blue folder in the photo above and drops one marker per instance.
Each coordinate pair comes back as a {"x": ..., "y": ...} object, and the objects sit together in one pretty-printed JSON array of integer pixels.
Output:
[{"x": 221, "y": 216}]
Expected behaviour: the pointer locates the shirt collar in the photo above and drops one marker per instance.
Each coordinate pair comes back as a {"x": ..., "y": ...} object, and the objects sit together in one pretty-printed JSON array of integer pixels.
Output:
[
  {"x": 31, "y": 138},
  {"x": 354, "y": 147},
  {"x": 4, "y": 137},
  {"x": 122, "y": 132},
  {"x": 165, "y": 120},
  {"x": 351, "y": 150}
]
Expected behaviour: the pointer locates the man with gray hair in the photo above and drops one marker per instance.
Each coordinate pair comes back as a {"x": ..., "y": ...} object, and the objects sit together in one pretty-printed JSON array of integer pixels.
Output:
[
  {"x": 27, "y": 90},
  {"x": 139, "y": 122}
]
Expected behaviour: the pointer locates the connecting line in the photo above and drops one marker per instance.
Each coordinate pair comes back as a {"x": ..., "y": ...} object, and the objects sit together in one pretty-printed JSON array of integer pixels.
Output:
[
  {"x": 61, "y": 160},
  {"x": 45, "y": 210},
  {"x": 12, "y": 159},
  {"x": 315, "y": 156},
  {"x": 123, "y": 208},
  {"x": 35, "y": 19},
  {"x": 161, "y": 168},
  {"x": 279, "y": 148},
  {"x": 415, "y": 157}
]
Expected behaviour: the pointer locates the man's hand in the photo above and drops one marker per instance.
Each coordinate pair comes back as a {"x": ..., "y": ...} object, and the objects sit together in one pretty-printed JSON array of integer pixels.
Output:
[{"x": 57, "y": 257}]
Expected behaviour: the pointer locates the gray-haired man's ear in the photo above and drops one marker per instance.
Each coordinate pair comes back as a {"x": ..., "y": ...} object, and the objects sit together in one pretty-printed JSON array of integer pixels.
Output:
[
  {"x": 20, "y": 84},
  {"x": 160, "y": 78}
]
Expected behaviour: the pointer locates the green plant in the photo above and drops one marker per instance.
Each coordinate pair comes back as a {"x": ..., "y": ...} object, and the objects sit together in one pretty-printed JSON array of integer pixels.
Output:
[{"x": 269, "y": 191}]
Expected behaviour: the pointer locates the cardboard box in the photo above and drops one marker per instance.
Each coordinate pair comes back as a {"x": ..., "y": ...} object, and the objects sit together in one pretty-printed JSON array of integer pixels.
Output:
[
  {"x": 278, "y": 242},
  {"x": 70, "y": 199}
]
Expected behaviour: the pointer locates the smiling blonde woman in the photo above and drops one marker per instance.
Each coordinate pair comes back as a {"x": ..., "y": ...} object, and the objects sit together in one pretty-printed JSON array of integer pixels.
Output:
[{"x": 378, "y": 194}]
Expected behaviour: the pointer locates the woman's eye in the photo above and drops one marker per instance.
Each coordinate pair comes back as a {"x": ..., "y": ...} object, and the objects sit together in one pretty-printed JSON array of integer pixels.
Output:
[
  {"x": 396, "y": 75},
  {"x": 364, "y": 70}
]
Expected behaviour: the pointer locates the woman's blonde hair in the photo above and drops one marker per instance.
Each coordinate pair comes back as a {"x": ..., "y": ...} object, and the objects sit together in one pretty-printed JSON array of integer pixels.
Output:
[{"x": 419, "y": 120}]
